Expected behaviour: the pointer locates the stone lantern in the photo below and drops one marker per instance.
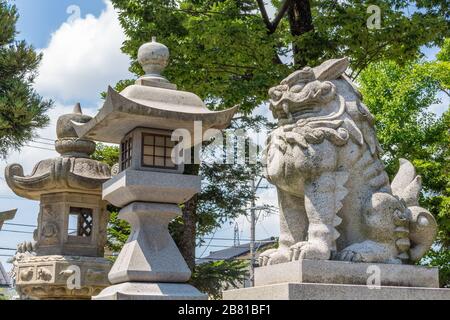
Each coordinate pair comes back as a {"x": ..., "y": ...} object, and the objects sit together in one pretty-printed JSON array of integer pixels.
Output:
[
  {"x": 151, "y": 183},
  {"x": 71, "y": 233}
]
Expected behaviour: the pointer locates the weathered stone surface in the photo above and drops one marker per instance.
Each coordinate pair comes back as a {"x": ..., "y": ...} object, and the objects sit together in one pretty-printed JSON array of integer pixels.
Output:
[
  {"x": 52, "y": 235},
  {"x": 150, "y": 254},
  {"x": 48, "y": 277},
  {"x": 334, "y": 194},
  {"x": 150, "y": 291},
  {"x": 149, "y": 186},
  {"x": 338, "y": 272},
  {"x": 309, "y": 291},
  {"x": 72, "y": 221},
  {"x": 153, "y": 57}
]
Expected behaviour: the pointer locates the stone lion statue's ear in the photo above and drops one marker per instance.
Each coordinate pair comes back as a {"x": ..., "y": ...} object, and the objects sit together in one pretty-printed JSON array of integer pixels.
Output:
[{"x": 331, "y": 69}]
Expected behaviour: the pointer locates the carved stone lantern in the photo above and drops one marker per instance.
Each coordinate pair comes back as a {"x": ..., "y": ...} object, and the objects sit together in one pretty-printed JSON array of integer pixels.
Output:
[
  {"x": 151, "y": 184},
  {"x": 71, "y": 233}
]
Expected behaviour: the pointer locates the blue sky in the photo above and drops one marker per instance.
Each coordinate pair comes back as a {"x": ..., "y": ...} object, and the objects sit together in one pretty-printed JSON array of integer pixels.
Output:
[
  {"x": 39, "y": 18},
  {"x": 81, "y": 58}
]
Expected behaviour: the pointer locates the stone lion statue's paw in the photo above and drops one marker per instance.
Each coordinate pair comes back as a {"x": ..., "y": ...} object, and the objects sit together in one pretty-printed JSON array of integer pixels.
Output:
[
  {"x": 264, "y": 257},
  {"x": 273, "y": 256},
  {"x": 296, "y": 249},
  {"x": 310, "y": 251},
  {"x": 348, "y": 255}
]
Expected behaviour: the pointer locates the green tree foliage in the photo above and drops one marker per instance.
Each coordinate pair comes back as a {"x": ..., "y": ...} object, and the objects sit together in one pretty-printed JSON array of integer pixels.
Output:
[
  {"x": 22, "y": 110},
  {"x": 213, "y": 277},
  {"x": 107, "y": 154},
  {"x": 229, "y": 52},
  {"x": 400, "y": 97}
]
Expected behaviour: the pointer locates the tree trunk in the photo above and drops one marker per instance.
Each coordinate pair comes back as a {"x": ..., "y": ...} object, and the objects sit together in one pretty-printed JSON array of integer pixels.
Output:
[
  {"x": 300, "y": 21},
  {"x": 186, "y": 241}
]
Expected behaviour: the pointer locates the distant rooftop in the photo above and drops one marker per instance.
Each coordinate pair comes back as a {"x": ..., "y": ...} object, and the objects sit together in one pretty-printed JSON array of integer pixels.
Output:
[
  {"x": 235, "y": 251},
  {"x": 5, "y": 280}
]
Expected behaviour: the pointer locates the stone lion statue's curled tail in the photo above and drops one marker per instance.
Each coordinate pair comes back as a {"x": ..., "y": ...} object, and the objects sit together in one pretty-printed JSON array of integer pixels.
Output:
[{"x": 335, "y": 198}]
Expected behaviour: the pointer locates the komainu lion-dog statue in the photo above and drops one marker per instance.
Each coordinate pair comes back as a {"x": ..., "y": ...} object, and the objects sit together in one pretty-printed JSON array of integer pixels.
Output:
[{"x": 335, "y": 198}]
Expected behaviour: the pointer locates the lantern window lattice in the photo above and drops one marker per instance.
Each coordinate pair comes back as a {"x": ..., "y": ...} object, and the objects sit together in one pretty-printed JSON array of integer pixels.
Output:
[
  {"x": 84, "y": 222},
  {"x": 126, "y": 151},
  {"x": 157, "y": 151}
]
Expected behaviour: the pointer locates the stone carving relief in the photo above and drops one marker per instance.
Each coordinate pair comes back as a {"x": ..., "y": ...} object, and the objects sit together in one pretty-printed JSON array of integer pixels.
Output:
[
  {"x": 26, "y": 274},
  {"x": 44, "y": 274},
  {"x": 50, "y": 229}
]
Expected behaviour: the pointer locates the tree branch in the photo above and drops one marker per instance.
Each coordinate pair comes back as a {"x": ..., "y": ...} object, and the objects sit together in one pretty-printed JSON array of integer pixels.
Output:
[
  {"x": 273, "y": 25},
  {"x": 280, "y": 14},
  {"x": 444, "y": 90},
  {"x": 264, "y": 14}
]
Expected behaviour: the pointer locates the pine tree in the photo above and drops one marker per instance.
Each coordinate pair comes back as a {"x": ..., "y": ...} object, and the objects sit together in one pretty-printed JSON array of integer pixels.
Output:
[{"x": 22, "y": 110}]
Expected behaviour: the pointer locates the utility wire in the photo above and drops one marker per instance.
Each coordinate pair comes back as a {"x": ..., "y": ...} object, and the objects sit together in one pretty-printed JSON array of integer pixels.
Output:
[
  {"x": 16, "y": 231},
  {"x": 48, "y": 139},
  {"x": 20, "y": 225},
  {"x": 35, "y": 147},
  {"x": 46, "y": 143},
  {"x": 208, "y": 243},
  {"x": 12, "y": 198}
]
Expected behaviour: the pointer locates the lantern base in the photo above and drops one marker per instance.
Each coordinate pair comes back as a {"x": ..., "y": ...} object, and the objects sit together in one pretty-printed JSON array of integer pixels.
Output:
[{"x": 150, "y": 291}]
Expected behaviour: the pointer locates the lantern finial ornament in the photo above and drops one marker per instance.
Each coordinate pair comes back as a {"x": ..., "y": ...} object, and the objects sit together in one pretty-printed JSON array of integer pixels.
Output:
[
  {"x": 154, "y": 58},
  {"x": 77, "y": 109}
]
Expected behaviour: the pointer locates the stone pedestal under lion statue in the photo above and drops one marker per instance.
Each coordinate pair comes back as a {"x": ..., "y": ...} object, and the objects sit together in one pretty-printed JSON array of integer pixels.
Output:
[{"x": 346, "y": 232}]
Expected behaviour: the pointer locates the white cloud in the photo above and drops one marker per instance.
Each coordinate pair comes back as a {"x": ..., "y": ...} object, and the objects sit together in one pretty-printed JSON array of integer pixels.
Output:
[{"x": 83, "y": 58}]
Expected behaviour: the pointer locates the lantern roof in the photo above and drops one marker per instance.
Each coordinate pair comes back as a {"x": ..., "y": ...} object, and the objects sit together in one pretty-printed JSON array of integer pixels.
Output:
[
  {"x": 153, "y": 102},
  {"x": 72, "y": 171}
]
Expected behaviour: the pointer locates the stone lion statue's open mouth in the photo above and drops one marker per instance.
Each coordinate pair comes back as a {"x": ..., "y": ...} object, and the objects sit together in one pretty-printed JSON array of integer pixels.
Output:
[{"x": 302, "y": 99}]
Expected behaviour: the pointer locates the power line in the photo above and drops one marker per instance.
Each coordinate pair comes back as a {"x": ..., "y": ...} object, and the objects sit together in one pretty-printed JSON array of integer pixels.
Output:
[
  {"x": 35, "y": 147},
  {"x": 43, "y": 138},
  {"x": 16, "y": 231},
  {"x": 208, "y": 243},
  {"x": 20, "y": 225},
  {"x": 8, "y": 249},
  {"x": 46, "y": 143},
  {"x": 11, "y": 198},
  {"x": 48, "y": 139}
]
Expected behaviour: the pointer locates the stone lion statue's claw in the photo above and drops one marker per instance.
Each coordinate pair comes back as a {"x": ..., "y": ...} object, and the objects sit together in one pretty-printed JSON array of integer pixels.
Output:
[
  {"x": 295, "y": 250},
  {"x": 309, "y": 250},
  {"x": 274, "y": 256},
  {"x": 264, "y": 257}
]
